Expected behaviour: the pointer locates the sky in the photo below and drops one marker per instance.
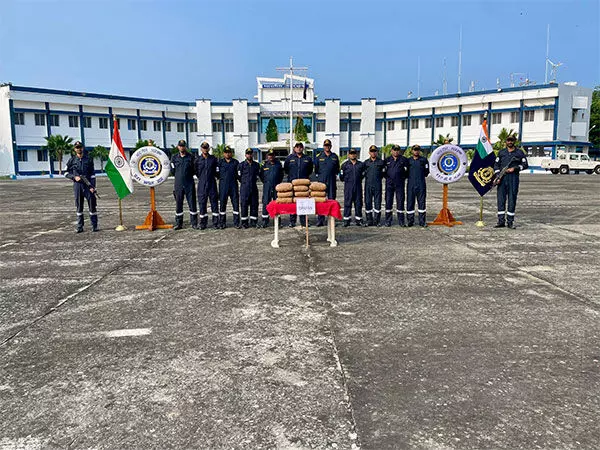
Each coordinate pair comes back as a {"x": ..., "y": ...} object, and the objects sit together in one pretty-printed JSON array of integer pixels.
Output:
[{"x": 185, "y": 49}]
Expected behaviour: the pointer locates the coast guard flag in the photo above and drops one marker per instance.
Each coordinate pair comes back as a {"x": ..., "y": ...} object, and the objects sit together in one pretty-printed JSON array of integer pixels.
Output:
[
  {"x": 117, "y": 166},
  {"x": 305, "y": 88},
  {"x": 481, "y": 172}
]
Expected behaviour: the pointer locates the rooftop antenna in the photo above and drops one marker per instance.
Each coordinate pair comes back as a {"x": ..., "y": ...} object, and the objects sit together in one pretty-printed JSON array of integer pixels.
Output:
[
  {"x": 291, "y": 69},
  {"x": 497, "y": 83},
  {"x": 445, "y": 81},
  {"x": 472, "y": 86},
  {"x": 459, "y": 57}
]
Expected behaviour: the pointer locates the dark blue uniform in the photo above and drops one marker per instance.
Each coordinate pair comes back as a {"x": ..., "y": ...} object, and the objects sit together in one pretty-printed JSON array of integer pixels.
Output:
[
  {"x": 77, "y": 166},
  {"x": 248, "y": 172},
  {"x": 418, "y": 170},
  {"x": 509, "y": 184},
  {"x": 326, "y": 168},
  {"x": 271, "y": 174},
  {"x": 352, "y": 174},
  {"x": 206, "y": 172},
  {"x": 182, "y": 167},
  {"x": 228, "y": 188},
  {"x": 374, "y": 173},
  {"x": 395, "y": 184},
  {"x": 297, "y": 167}
]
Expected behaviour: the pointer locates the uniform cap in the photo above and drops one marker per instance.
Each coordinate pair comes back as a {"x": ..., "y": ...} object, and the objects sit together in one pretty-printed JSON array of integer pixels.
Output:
[
  {"x": 511, "y": 138},
  {"x": 271, "y": 152},
  {"x": 396, "y": 147},
  {"x": 352, "y": 150},
  {"x": 249, "y": 151},
  {"x": 373, "y": 148},
  {"x": 227, "y": 149},
  {"x": 181, "y": 143},
  {"x": 77, "y": 144},
  {"x": 326, "y": 142},
  {"x": 299, "y": 144},
  {"x": 204, "y": 145},
  {"x": 416, "y": 147}
]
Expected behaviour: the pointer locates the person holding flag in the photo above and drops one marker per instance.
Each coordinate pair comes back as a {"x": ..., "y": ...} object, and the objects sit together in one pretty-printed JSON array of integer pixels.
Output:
[{"x": 118, "y": 169}]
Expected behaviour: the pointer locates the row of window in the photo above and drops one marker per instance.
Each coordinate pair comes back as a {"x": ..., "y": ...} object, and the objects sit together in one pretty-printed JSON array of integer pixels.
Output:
[{"x": 54, "y": 120}]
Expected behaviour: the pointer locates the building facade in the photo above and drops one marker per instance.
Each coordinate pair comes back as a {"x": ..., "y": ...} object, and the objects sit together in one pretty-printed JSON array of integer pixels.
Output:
[{"x": 548, "y": 119}]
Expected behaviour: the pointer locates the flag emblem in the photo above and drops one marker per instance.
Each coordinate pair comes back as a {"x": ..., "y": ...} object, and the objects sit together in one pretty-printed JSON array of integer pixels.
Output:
[{"x": 119, "y": 161}]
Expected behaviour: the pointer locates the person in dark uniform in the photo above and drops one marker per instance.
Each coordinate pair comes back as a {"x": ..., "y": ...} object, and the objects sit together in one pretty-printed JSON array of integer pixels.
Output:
[
  {"x": 78, "y": 166},
  {"x": 418, "y": 170},
  {"x": 182, "y": 167},
  {"x": 298, "y": 165},
  {"x": 374, "y": 173},
  {"x": 248, "y": 171},
  {"x": 327, "y": 166},
  {"x": 271, "y": 174},
  {"x": 396, "y": 168},
  {"x": 228, "y": 188},
  {"x": 206, "y": 172},
  {"x": 508, "y": 186},
  {"x": 351, "y": 173}
]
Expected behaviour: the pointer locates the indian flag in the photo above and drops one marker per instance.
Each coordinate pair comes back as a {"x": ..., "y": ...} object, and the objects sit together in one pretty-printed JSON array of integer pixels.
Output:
[
  {"x": 117, "y": 167},
  {"x": 484, "y": 147}
]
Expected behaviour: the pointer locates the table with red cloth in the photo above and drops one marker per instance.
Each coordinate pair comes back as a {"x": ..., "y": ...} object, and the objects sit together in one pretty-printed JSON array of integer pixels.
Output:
[{"x": 329, "y": 208}]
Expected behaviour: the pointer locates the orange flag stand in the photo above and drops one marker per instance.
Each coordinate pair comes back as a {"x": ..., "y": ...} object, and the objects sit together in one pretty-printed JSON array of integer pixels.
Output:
[
  {"x": 445, "y": 217},
  {"x": 153, "y": 219}
]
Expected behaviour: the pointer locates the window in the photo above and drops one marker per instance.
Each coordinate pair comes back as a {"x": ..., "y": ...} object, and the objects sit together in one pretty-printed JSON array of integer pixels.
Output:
[
  {"x": 573, "y": 157},
  {"x": 343, "y": 126},
  {"x": 87, "y": 122},
  {"x": 157, "y": 125},
  {"x": 466, "y": 120},
  {"x": 217, "y": 127},
  {"x": 320, "y": 127},
  {"x": 42, "y": 155},
  {"x": 378, "y": 126},
  {"x": 404, "y": 124},
  {"x": 103, "y": 122},
  {"x": 414, "y": 124},
  {"x": 528, "y": 116},
  {"x": 439, "y": 122},
  {"x": 54, "y": 120},
  {"x": 454, "y": 121},
  {"x": 514, "y": 117},
  {"x": 355, "y": 126},
  {"x": 428, "y": 123},
  {"x": 496, "y": 118},
  {"x": 548, "y": 114},
  {"x": 228, "y": 125},
  {"x": 73, "y": 121},
  {"x": 40, "y": 119},
  {"x": 19, "y": 118},
  {"x": 180, "y": 127},
  {"x": 193, "y": 127},
  {"x": 131, "y": 124},
  {"x": 168, "y": 126},
  {"x": 22, "y": 155},
  {"x": 143, "y": 125},
  {"x": 391, "y": 125}
]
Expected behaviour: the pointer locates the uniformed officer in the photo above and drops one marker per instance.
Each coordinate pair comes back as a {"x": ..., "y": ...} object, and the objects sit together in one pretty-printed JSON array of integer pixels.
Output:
[
  {"x": 206, "y": 172},
  {"x": 298, "y": 165},
  {"x": 248, "y": 171},
  {"x": 271, "y": 174},
  {"x": 228, "y": 188},
  {"x": 327, "y": 166},
  {"x": 396, "y": 168},
  {"x": 351, "y": 173},
  {"x": 508, "y": 186},
  {"x": 82, "y": 165},
  {"x": 418, "y": 170},
  {"x": 182, "y": 167},
  {"x": 374, "y": 173}
]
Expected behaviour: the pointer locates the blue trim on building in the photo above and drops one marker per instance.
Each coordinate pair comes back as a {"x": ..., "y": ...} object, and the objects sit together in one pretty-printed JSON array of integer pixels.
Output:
[
  {"x": 520, "y": 119},
  {"x": 384, "y": 120},
  {"x": 13, "y": 139},
  {"x": 49, "y": 133},
  {"x": 110, "y": 123},
  {"x": 555, "y": 125},
  {"x": 408, "y": 130},
  {"x": 164, "y": 132},
  {"x": 532, "y": 108},
  {"x": 30, "y": 110},
  {"x": 139, "y": 129},
  {"x": 349, "y": 122},
  {"x": 223, "y": 127},
  {"x": 458, "y": 138},
  {"x": 81, "y": 128},
  {"x": 432, "y": 124},
  {"x": 489, "y": 118}
]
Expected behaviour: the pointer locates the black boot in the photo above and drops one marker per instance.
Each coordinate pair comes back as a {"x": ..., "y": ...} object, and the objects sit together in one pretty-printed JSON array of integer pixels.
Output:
[
  {"x": 321, "y": 221},
  {"x": 265, "y": 222},
  {"x": 245, "y": 224},
  {"x": 215, "y": 220},
  {"x": 236, "y": 221},
  {"x": 511, "y": 224},
  {"x": 377, "y": 219},
  {"x": 501, "y": 221},
  {"x": 401, "y": 219},
  {"x": 346, "y": 223},
  {"x": 194, "y": 221},
  {"x": 422, "y": 221},
  {"x": 222, "y": 221},
  {"x": 410, "y": 220},
  {"x": 94, "y": 220},
  {"x": 79, "y": 228},
  {"x": 203, "y": 223},
  {"x": 178, "y": 222},
  {"x": 253, "y": 223},
  {"x": 359, "y": 223},
  {"x": 369, "y": 219},
  {"x": 388, "y": 219}
]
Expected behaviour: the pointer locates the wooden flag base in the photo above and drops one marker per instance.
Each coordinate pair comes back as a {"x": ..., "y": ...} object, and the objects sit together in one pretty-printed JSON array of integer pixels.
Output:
[
  {"x": 445, "y": 217},
  {"x": 153, "y": 219}
]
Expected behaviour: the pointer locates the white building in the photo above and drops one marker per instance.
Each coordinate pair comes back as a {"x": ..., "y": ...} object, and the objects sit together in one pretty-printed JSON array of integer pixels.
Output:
[{"x": 548, "y": 118}]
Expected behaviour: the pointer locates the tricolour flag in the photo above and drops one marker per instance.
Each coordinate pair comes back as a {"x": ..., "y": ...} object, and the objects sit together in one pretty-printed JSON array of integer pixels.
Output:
[
  {"x": 481, "y": 171},
  {"x": 117, "y": 167}
]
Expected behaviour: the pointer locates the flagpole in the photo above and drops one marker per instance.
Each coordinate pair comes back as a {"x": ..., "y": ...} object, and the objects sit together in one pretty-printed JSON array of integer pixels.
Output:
[
  {"x": 480, "y": 223},
  {"x": 120, "y": 227}
]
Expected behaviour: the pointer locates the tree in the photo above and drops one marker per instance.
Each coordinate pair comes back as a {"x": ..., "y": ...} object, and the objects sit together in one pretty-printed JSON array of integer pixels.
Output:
[
  {"x": 502, "y": 136},
  {"x": 101, "y": 153},
  {"x": 441, "y": 140},
  {"x": 595, "y": 118},
  {"x": 57, "y": 147},
  {"x": 386, "y": 150},
  {"x": 143, "y": 143},
  {"x": 300, "y": 131},
  {"x": 219, "y": 149},
  {"x": 271, "y": 132}
]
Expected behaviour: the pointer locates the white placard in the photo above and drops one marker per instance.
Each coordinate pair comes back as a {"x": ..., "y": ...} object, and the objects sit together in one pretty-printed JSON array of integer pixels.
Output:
[
  {"x": 305, "y": 206},
  {"x": 150, "y": 166}
]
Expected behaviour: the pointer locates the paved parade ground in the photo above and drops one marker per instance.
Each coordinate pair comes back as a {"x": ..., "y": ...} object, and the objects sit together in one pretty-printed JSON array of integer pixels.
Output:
[{"x": 435, "y": 338}]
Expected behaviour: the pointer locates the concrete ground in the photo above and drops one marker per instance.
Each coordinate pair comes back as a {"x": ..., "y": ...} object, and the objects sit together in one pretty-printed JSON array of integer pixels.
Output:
[{"x": 436, "y": 338}]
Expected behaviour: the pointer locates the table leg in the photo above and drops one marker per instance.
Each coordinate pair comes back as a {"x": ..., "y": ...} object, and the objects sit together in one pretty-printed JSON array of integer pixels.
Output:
[
  {"x": 332, "y": 227},
  {"x": 275, "y": 241}
]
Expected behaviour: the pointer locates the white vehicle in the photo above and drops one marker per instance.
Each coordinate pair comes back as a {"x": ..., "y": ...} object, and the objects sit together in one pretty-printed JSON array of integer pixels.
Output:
[{"x": 571, "y": 161}]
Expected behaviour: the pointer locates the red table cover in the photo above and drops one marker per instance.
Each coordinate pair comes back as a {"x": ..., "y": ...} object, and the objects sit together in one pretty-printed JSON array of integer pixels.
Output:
[{"x": 326, "y": 208}]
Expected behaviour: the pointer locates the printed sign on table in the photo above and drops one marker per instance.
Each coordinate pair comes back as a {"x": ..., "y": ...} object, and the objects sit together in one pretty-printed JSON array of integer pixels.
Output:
[{"x": 305, "y": 206}]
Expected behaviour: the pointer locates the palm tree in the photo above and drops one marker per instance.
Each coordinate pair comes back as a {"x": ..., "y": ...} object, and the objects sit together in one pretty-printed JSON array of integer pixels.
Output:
[
  {"x": 502, "y": 136},
  {"x": 441, "y": 140},
  {"x": 386, "y": 150},
  {"x": 57, "y": 147},
  {"x": 101, "y": 153}
]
